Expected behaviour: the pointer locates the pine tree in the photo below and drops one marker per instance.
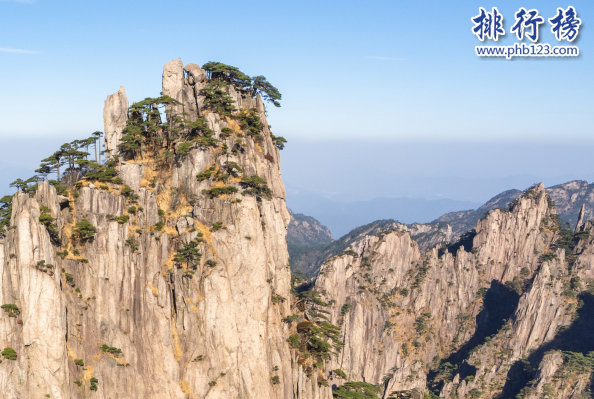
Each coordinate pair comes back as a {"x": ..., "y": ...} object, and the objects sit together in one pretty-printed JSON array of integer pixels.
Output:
[
  {"x": 97, "y": 141},
  {"x": 5, "y": 212},
  {"x": 19, "y": 184},
  {"x": 189, "y": 254},
  {"x": 217, "y": 71},
  {"x": 267, "y": 91},
  {"x": 217, "y": 99}
]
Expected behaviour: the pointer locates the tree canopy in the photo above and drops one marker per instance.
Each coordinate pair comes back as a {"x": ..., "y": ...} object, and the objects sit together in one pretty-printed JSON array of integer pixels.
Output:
[
  {"x": 228, "y": 74},
  {"x": 356, "y": 390},
  {"x": 266, "y": 90},
  {"x": 219, "y": 72}
]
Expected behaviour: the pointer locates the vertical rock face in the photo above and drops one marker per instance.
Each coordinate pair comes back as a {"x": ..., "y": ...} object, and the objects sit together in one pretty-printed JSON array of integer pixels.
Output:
[
  {"x": 183, "y": 289},
  {"x": 182, "y": 89},
  {"x": 115, "y": 115},
  {"x": 145, "y": 324},
  {"x": 580, "y": 220},
  {"x": 401, "y": 310}
]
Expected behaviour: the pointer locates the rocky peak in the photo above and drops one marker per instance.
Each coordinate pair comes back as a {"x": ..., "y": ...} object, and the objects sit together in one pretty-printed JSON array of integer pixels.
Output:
[
  {"x": 401, "y": 310},
  {"x": 166, "y": 278}
]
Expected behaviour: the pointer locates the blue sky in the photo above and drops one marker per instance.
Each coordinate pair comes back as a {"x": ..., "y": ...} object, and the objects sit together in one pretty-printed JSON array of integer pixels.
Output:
[
  {"x": 370, "y": 72},
  {"x": 389, "y": 70}
]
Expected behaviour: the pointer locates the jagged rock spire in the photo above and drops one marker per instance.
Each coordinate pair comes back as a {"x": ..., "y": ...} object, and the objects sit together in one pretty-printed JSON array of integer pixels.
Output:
[
  {"x": 580, "y": 221},
  {"x": 176, "y": 86},
  {"x": 115, "y": 116}
]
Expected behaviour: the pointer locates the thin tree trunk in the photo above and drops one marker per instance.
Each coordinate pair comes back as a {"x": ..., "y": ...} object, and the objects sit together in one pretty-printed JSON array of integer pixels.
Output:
[{"x": 96, "y": 158}]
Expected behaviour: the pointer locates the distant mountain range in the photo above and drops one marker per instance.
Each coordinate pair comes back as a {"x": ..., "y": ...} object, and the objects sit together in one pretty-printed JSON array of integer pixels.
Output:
[
  {"x": 342, "y": 217},
  {"x": 310, "y": 244}
]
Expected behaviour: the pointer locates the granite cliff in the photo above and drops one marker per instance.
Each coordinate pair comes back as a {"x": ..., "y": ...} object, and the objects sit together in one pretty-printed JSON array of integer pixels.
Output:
[
  {"x": 155, "y": 277},
  {"x": 163, "y": 272},
  {"x": 499, "y": 315}
]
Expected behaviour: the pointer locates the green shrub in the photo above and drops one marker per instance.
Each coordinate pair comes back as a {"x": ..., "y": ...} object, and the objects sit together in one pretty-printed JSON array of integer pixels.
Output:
[
  {"x": 62, "y": 254},
  {"x": 110, "y": 349},
  {"x": 226, "y": 132},
  {"x": 132, "y": 210},
  {"x": 9, "y": 354},
  {"x": 294, "y": 341},
  {"x": 211, "y": 263},
  {"x": 184, "y": 148},
  {"x": 48, "y": 221},
  {"x": 126, "y": 191},
  {"x": 206, "y": 141},
  {"x": 217, "y": 99},
  {"x": 132, "y": 244},
  {"x": 279, "y": 141},
  {"x": 79, "y": 362},
  {"x": 203, "y": 175},
  {"x": 161, "y": 212},
  {"x": 291, "y": 318},
  {"x": 69, "y": 278},
  {"x": 217, "y": 191},
  {"x": 188, "y": 253},
  {"x": 77, "y": 382},
  {"x": 117, "y": 180},
  {"x": 217, "y": 226},
  {"x": 256, "y": 186},
  {"x": 94, "y": 382},
  {"x": 212, "y": 383},
  {"x": 102, "y": 174},
  {"x": 341, "y": 374},
  {"x": 250, "y": 122},
  {"x": 159, "y": 226},
  {"x": 547, "y": 257},
  {"x": 356, "y": 390},
  {"x": 84, "y": 230},
  {"x": 275, "y": 380},
  {"x": 12, "y": 309},
  {"x": 122, "y": 219}
]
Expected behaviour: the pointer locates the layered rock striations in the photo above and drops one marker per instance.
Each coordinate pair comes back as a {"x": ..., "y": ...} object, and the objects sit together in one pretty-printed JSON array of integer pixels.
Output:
[
  {"x": 461, "y": 323},
  {"x": 165, "y": 274},
  {"x": 121, "y": 314}
]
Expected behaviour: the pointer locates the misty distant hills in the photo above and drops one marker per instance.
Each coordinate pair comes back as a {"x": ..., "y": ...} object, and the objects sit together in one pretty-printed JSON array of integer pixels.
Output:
[
  {"x": 309, "y": 243},
  {"x": 342, "y": 217}
]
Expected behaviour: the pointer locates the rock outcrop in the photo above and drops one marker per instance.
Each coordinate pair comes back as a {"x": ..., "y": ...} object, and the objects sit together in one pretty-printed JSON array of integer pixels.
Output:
[
  {"x": 119, "y": 313},
  {"x": 458, "y": 322},
  {"x": 307, "y": 232},
  {"x": 115, "y": 115},
  {"x": 165, "y": 274}
]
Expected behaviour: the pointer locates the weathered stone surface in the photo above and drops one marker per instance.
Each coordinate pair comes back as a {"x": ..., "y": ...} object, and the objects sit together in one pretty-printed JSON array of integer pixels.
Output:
[
  {"x": 197, "y": 73},
  {"x": 115, "y": 116},
  {"x": 580, "y": 220},
  {"x": 173, "y": 78},
  {"x": 307, "y": 231},
  {"x": 176, "y": 86},
  {"x": 383, "y": 321},
  {"x": 179, "y": 333}
]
